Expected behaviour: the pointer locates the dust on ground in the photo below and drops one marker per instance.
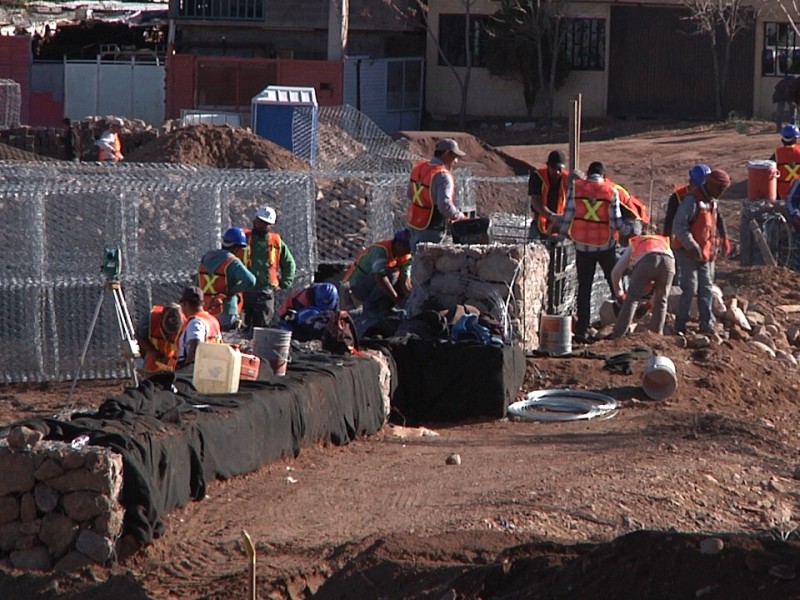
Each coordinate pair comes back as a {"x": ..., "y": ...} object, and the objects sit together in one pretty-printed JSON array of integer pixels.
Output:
[{"x": 619, "y": 508}]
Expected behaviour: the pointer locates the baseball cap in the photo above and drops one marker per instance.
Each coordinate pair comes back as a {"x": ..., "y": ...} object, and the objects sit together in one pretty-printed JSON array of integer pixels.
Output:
[
  {"x": 193, "y": 295},
  {"x": 557, "y": 159},
  {"x": 451, "y": 145}
]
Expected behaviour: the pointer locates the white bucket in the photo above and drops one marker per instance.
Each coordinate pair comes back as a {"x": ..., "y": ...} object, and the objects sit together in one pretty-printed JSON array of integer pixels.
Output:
[
  {"x": 555, "y": 335},
  {"x": 659, "y": 380},
  {"x": 273, "y": 345}
]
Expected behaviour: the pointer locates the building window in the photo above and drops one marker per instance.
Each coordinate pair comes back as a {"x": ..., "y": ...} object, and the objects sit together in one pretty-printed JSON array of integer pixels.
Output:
[
  {"x": 451, "y": 39},
  {"x": 781, "y": 50},
  {"x": 222, "y": 10},
  {"x": 403, "y": 85},
  {"x": 586, "y": 44}
]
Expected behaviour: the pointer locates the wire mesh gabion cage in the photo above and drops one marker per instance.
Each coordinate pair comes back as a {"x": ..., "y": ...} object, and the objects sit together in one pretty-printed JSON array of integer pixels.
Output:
[{"x": 10, "y": 103}]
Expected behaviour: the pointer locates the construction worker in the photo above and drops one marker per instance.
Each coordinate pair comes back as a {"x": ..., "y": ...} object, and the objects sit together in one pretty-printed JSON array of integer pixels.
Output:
[
  {"x": 547, "y": 189},
  {"x": 222, "y": 276},
  {"x": 380, "y": 277},
  {"x": 431, "y": 194},
  {"x": 633, "y": 211},
  {"x": 157, "y": 334},
  {"x": 322, "y": 296},
  {"x": 696, "y": 239},
  {"x": 307, "y": 312},
  {"x": 271, "y": 261},
  {"x": 109, "y": 142},
  {"x": 697, "y": 175},
  {"x": 591, "y": 217},
  {"x": 650, "y": 266},
  {"x": 200, "y": 326},
  {"x": 787, "y": 158}
]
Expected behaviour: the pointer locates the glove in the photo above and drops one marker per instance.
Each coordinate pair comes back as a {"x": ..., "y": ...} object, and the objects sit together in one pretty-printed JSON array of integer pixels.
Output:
[{"x": 726, "y": 247}]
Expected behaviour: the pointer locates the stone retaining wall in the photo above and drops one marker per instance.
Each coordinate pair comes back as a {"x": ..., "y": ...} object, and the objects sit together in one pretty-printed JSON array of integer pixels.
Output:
[
  {"x": 59, "y": 506},
  {"x": 488, "y": 277}
]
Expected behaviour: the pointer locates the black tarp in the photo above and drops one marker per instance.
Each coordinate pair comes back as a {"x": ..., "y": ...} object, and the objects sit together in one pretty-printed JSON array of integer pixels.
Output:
[
  {"x": 443, "y": 381},
  {"x": 172, "y": 445}
]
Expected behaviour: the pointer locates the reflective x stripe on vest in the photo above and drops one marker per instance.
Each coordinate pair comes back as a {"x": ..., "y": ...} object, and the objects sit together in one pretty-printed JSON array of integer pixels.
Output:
[
  {"x": 543, "y": 223},
  {"x": 214, "y": 285},
  {"x": 591, "y": 225},
  {"x": 420, "y": 210},
  {"x": 788, "y": 163}
]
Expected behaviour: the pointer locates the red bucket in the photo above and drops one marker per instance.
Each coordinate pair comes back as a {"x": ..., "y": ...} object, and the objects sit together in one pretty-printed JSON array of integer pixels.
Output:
[{"x": 762, "y": 180}]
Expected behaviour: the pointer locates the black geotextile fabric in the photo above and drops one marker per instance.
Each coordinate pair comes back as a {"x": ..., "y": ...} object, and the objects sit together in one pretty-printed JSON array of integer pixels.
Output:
[
  {"x": 174, "y": 441},
  {"x": 443, "y": 381}
]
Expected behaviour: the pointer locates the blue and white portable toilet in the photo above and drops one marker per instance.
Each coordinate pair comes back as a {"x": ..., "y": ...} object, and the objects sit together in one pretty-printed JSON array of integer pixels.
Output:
[{"x": 288, "y": 116}]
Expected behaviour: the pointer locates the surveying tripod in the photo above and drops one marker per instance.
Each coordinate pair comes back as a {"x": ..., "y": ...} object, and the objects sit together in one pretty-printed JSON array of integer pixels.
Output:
[{"x": 130, "y": 348}]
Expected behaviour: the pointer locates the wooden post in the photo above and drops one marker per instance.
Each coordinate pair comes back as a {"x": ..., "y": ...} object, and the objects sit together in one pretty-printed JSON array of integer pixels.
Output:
[{"x": 575, "y": 133}]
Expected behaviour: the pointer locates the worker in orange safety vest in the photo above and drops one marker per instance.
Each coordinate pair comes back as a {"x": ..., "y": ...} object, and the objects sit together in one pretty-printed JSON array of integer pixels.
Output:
[
  {"x": 547, "y": 189},
  {"x": 109, "y": 142},
  {"x": 200, "y": 326},
  {"x": 431, "y": 194},
  {"x": 650, "y": 265},
  {"x": 157, "y": 334},
  {"x": 787, "y": 159}
]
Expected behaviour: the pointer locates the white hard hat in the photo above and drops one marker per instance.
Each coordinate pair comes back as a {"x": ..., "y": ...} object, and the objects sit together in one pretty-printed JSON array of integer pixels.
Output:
[
  {"x": 117, "y": 121},
  {"x": 268, "y": 214}
]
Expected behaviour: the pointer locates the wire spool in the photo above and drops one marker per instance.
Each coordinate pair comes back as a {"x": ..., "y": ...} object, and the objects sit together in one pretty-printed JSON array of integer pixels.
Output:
[{"x": 564, "y": 405}]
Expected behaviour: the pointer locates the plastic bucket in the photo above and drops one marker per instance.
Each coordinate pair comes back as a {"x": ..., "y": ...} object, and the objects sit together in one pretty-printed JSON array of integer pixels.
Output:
[
  {"x": 762, "y": 180},
  {"x": 659, "y": 381},
  {"x": 555, "y": 335},
  {"x": 273, "y": 345}
]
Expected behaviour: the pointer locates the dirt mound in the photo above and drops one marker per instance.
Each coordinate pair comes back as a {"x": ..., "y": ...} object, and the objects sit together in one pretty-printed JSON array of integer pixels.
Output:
[
  {"x": 481, "y": 158},
  {"x": 10, "y": 153},
  {"x": 218, "y": 146}
]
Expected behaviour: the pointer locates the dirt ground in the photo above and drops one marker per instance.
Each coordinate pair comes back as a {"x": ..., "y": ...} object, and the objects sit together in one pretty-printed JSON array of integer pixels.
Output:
[{"x": 692, "y": 497}]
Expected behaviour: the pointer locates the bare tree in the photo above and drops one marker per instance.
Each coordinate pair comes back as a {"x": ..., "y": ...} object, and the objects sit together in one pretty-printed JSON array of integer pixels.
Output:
[
  {"x": 417, "y": 11},
  {"x": 528, "y": 44},
  {"x": 720, "y": 21}
]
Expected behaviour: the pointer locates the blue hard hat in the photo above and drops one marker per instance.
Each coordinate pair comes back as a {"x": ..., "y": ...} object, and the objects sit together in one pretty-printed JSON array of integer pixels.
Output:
[
  {"x": 697, "y": 174},
  {"x": 326, "y": 296},
  {"x": 790, "y": 133},
  {"x": 234, "y": 237},
  {"x": 402, "y": 235}
]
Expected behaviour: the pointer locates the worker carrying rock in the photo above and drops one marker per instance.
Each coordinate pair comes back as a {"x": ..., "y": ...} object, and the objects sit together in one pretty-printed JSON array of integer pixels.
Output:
[{"x": 649, "y": 263}]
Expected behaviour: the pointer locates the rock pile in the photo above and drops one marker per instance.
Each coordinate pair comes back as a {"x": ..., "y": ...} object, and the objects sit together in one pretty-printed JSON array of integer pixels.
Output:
[
  {"x": 59, "y": 504},
  {"x": 497, "y": 279}
]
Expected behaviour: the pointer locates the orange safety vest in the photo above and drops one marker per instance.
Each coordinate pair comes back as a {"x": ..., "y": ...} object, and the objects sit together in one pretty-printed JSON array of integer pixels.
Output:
[
  {"x": 635, "y": 206},
  {"x": 215, "y": 286},
  {"x": 420, "y": 210},
  {"x": 591, "y": 225},
  {"x": 392, "y": 261},
  {"x": 213, "y": 331},
  {"x": 681, "y": 193},
  {"x": 788, "y": 163},
  {"x": 645, "y": 244},
  {"x": 704, "y": 227},
  {"x": 273, "y": 255},
  {"x": 101, "y": 154},
  {"x": 297, "y": 301},
  {"x": 158, "y": 338},
  {"x": 543, "y": 223}
]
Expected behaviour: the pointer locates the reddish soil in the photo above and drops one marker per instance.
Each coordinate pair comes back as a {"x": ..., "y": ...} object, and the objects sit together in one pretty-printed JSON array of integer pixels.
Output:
[
  {"x": 217, "y": 146},
  {"x": 616, "y": 508}
]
